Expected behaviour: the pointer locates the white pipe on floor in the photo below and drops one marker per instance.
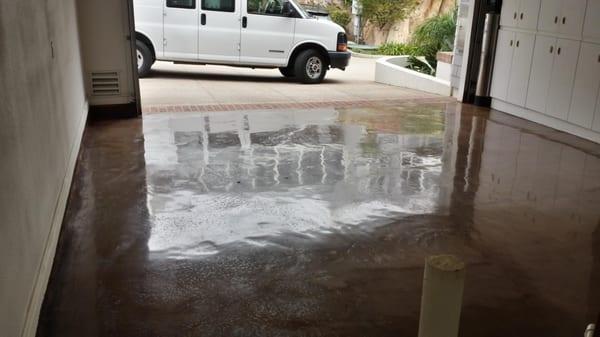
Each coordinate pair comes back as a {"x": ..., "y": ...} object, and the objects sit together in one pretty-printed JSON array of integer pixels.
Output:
[{"x": 441, "y": 302}]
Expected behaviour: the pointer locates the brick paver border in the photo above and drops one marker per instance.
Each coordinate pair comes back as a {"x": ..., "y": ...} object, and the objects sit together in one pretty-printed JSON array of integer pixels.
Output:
[{"x": 295, "y": 105}]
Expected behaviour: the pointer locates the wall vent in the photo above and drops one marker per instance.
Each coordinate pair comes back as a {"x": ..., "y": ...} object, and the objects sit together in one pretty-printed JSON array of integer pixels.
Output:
[{"x": 105, "y": 83}]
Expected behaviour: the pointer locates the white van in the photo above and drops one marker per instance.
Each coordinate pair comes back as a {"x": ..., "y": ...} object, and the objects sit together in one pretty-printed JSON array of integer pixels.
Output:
[{"x": 248, "y": 33}]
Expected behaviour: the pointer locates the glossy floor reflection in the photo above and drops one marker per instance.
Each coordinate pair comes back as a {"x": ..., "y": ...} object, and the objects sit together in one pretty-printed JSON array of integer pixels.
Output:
[{"x": 317, "y": 223}]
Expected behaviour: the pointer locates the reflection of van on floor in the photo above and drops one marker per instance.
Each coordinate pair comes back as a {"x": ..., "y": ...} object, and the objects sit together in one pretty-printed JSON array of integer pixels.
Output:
[{"x": 249, "y": 33}]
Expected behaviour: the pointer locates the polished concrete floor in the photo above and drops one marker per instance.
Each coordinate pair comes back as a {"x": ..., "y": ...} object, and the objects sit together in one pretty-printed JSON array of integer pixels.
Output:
[{"x": 317, "y": 223}]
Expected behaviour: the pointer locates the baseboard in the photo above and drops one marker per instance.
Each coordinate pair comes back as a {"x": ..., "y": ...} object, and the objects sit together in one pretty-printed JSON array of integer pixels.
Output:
[
  {"x": 546, "y": 120},
  {"x": 45, "y": 268},
  {"x": 126, "y": 110}
]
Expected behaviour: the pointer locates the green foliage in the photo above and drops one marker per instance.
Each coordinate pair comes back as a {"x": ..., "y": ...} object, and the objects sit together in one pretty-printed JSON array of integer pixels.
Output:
[
  {"x": 418, "y": 65},
  {"x": 435, "y": 34},
  {"x": 385, "y": 12},
  {"x": 394, "y": 48},
  {"x": 341, "y": 16}
]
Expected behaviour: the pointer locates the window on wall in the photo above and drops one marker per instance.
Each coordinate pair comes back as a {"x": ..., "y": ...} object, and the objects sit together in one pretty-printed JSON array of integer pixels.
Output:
[
  {"x": 265, "y": 7},
  {"x": 219, "y": 5},
  {"x": 187, "y": 4}
]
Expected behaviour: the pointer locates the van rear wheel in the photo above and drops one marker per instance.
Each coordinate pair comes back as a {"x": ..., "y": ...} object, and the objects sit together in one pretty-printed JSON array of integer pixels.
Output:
[
  {"x": 310, "y": 67},
  {"x": 287, "y": 71},
  {"x": 144, "y": 58}
]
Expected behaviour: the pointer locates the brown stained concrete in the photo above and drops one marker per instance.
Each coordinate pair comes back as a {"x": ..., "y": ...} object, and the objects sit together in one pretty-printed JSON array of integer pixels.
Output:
[{"x": 317, "y": 223}]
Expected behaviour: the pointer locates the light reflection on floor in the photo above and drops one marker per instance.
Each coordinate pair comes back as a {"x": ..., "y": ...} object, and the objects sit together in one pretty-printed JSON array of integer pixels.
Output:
[{"x": 223, "y": 177}]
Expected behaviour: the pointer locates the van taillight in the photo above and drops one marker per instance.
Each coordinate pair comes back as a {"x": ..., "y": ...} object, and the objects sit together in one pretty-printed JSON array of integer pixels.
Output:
[{"x": 342, "y": 42}]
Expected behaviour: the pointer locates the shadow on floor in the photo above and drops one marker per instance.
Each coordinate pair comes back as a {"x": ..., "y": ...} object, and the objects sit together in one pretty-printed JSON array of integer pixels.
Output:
[{"x": 170, "y": 74}]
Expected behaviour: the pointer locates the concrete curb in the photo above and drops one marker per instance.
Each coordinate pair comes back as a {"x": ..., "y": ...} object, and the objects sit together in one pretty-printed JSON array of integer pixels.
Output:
[{"x": 366, "y": 56}]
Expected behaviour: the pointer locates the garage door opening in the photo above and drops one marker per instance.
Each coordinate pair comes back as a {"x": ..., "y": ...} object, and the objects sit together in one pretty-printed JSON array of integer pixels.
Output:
[{"x": 218, "y": 54}]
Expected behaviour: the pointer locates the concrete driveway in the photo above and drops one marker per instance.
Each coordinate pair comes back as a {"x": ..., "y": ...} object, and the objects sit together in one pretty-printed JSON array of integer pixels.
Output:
[{"x": 173, "y": 86}]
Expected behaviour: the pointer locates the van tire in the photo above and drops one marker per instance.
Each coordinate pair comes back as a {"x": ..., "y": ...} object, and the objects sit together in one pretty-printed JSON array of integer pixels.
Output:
[
  {"x": 310, "y": 66},
  {"x": 144, "y": 58},
  {"x": 287, "y": 71}
]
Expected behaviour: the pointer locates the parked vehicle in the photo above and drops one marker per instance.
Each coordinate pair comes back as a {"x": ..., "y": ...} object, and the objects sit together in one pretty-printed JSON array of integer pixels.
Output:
[{"x": 247, "y": 33}]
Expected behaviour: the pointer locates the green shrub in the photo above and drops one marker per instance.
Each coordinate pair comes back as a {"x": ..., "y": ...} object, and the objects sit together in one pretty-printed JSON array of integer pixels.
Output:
[
  {"x": 435, "y": 34},
  {"x": 393, "y": 48},
  {"x": 341, "y": 16},
  {"x": 385, "y": 12},
  {"x": 418, "y": 65}
]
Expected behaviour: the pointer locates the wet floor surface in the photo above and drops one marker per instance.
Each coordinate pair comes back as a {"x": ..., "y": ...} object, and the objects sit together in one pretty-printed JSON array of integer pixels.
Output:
[{"x": 317, "y": 222}]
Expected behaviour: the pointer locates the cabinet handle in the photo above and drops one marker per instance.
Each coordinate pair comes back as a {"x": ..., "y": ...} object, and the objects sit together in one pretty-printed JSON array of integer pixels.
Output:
[
  {"x": 564, "y": 20},
  {"x": 598, "y": 58},
  {"x": 515, "y": 16},
  {"x": 517, "y": 43},
  {"x": 551, "y": 49},
  {"x": 558, "y": 50},
  {"x": 511, "y": 43},
  {"x": 556, "y": 19},
  {"x": 521, "y": 16}
]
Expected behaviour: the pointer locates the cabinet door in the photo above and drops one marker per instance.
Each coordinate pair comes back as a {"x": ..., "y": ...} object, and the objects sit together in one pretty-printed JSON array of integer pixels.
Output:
[
  {"x": 549, "y": 15},
  {"x": 573, "y": 15},
  {"x": 587, "y": 84},
  {"x": 563, "y": 75},
  {"x": 528, "y": 14},
  {"x": 592, "y": 17},
  {"x": 502, "y": 63},
  {"x": 541, "y": 71},
  {"x": 509, "y": 13},
  {"x": 520, "y": 68}
]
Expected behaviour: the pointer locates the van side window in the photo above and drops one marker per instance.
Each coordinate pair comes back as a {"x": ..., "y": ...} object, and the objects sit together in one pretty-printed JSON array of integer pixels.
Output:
[
  {"x": 265, "y": 7},
  {"x": 187, "y": 4},
  {"x": 219, "y": 5}
]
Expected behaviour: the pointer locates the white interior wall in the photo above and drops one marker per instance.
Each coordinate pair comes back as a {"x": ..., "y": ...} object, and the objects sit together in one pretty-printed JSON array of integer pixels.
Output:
[{"x": 43, "y": 110}]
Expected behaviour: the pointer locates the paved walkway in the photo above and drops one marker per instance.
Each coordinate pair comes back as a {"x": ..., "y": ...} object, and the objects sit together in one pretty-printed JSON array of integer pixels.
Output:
[{"x": 174, "y": 87}]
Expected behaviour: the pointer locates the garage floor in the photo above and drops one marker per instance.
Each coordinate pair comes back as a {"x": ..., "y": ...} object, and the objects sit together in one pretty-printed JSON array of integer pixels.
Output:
[
  {"x": 317, "y": 222},
  {"x": 174, "y": 87}
]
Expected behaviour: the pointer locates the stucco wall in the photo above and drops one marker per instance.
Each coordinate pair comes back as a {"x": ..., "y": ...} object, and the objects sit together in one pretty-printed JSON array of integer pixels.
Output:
[{"x": 42, "y": 111}]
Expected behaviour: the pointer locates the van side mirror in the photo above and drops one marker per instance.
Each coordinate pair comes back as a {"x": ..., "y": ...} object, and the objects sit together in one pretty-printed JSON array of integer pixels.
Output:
[{"x": 288, "y": 9}]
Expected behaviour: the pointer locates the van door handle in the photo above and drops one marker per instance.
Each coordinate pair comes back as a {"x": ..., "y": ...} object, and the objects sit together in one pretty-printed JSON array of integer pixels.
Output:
[
  {"x": 244, "y": 22},
  {"x": 203, "y": 19}
]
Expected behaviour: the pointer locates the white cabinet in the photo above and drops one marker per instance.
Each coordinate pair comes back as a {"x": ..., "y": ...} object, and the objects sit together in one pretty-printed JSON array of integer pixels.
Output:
[
  {"x": 552, "y": 74},
  {"x": 591, "y": 27},
  {"x": 509, "y": 13},
  {"x": 520, "y": 13},
  {"x": 548, "y": 62},
  {"x": 549, "y": 15},
  {"x": 512, "y": 65},
  {"x": 528, "y": 15},
  {"x": 573, "y": 15},
  {"x": 520, "y": 68},
  {"x": 502, "y": 63},
  {"x": 564, "y": 17},
  {"x": 541, "y": 70},
  {"x": 586, "y": 87},
  {"x": 563, "y": 75}
]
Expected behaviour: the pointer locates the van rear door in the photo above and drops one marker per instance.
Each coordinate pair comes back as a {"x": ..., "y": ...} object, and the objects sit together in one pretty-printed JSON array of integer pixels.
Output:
[
  {"x": 267, "y": 34},
  {"x": 180, "y": 29},
  {"x": 219, "y": 31}
]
